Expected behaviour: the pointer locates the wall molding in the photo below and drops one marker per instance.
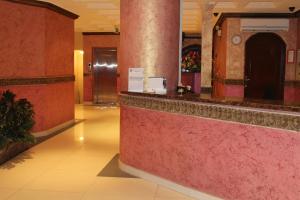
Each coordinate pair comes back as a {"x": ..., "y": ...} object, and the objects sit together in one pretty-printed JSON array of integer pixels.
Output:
[
  {"x": 206, "y": 90},
  {"x": 164, "y": 182},
  {"x": 191, "y": 35},
  {"x": 232, "y": 113},
  {"x": 36, "y": 80},
  {"x": 234, "y": 82},
  {"x": 229, "y": 81},
  {"x": 100, "y": 33},
  {"x": 46, "y": 5},
  {"x": 295, "y": 84}
]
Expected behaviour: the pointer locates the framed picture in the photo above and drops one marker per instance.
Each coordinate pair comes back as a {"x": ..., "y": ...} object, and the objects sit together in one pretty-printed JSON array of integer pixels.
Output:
[{"x": 291, "y": 57}]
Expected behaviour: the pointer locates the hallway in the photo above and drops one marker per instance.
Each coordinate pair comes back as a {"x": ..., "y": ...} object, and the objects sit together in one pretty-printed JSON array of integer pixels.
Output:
[{"x": 66, "y": 166}]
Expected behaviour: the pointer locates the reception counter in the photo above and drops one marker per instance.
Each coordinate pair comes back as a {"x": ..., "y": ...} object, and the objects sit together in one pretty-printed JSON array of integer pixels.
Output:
[{"x": 213, "y": 149}]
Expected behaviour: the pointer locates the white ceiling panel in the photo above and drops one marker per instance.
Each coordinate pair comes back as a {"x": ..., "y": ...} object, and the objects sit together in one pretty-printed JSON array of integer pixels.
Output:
[{"x": 104, "y": 15}]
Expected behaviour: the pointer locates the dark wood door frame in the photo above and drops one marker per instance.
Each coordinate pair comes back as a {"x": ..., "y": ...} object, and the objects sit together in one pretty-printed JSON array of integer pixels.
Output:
[{"x": 264, "y": 67}]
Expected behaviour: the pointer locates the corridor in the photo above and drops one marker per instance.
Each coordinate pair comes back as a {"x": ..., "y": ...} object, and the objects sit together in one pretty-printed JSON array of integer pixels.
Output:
[{"x": 67, "y": 165}]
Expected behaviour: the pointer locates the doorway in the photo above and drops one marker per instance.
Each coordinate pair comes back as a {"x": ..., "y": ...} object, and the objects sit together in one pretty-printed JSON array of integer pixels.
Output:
[
  {"x": 265, "y": 67},
  {"x": 104, "y": 75}
]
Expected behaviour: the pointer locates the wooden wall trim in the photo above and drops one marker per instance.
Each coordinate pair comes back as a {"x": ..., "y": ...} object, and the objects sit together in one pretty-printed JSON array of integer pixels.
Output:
[
  {"x": 101, "y": 33},
  {"x": 292, "y": 84},
  {"x": 234, "y": 81},
  {"x": 230, "y": 81},
  {"x": 47, "y": 5},
  {"x": 206, "y": 90},
  {"x": 191, "y": 36},
  {"x": 36, "y": 80},
  {"x": 295, "y": 83}
]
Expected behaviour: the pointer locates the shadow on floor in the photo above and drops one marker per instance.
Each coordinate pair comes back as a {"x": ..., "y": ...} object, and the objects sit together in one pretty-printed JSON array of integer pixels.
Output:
[
  {"x": 112, "y": 169},
  {"x": 21, "y": 158}
]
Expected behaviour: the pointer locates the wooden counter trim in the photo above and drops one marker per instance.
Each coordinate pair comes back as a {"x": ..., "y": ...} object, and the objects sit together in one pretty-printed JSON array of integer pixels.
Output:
[
  {"x": 36, "y": 80},
  {"x": 295, "y": 84},
  {"x": 229, "y": 81},
  {"x": 251, "y": 116},
  {"x": 47, "y": 5}
]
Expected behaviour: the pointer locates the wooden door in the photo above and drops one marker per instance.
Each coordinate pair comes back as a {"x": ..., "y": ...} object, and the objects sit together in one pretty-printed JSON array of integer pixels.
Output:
[{"x": 264, "y": 67}]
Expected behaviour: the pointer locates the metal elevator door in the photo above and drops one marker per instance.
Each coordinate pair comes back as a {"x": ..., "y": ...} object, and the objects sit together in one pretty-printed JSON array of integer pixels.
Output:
[{"x": 104, "y": 75}]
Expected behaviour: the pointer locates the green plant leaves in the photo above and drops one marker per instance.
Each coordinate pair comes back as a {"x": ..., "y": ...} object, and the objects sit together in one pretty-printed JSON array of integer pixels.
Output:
[{"x": 16, "y": 119}]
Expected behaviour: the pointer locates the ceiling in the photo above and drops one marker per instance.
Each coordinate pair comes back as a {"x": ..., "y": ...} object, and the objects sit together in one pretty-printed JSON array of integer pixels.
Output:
[{"x": 104, "y": 15}]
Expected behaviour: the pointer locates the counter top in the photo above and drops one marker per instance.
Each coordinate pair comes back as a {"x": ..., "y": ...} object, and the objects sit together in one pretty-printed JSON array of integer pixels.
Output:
[
  {"x": 247, "y": 112},
  {"x": 262, "y": 104}
]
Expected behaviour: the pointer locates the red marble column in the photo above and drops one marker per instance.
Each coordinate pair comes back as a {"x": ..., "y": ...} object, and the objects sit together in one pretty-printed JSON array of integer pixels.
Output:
[{"x": 150, "y": 39}]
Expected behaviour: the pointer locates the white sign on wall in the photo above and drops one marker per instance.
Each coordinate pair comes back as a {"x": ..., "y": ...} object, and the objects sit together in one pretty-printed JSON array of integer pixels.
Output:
[{"x": 136, "y": 80}]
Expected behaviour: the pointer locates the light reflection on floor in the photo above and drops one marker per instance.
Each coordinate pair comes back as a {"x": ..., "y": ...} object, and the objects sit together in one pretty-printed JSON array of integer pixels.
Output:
[{"x": 66, "y": 166}]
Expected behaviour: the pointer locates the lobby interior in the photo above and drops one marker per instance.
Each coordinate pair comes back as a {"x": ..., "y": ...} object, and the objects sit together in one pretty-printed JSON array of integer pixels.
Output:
[{"x": 153, "y": 99}]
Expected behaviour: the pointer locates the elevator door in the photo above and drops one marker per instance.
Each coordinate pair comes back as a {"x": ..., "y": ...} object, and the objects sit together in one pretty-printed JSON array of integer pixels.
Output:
[{"x": 105, "y": 75}]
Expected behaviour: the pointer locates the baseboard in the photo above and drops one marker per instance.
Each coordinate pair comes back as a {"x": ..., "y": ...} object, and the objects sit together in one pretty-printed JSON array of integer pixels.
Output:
[
  {"x": 54, "y": 129},
  {"x": 164, "y": 182}
]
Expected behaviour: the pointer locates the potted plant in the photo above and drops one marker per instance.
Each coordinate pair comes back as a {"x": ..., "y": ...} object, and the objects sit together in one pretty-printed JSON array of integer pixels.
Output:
[{"x": 16, "y": 121}]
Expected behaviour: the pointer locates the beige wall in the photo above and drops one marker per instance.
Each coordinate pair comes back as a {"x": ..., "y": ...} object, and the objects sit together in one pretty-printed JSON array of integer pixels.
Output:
[
  {"x": 78, "y": 41},
  {"x": 78, "y": 71},
  {"x": 236, "y": 53}
]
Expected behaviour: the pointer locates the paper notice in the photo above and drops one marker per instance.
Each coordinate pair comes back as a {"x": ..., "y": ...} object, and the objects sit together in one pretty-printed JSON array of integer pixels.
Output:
[{"x": 136, "y": 79}]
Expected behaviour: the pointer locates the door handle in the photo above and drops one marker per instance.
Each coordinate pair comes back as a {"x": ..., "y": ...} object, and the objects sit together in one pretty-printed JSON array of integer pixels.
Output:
[{"x": 245, "y": 81}]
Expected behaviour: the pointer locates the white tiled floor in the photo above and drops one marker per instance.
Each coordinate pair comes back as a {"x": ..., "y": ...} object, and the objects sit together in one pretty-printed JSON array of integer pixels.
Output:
[{"x": 66, "y": 166}]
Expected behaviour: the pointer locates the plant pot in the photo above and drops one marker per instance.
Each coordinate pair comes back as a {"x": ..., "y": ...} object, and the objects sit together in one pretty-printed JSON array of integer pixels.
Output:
[{"x": 11, "y": 150}]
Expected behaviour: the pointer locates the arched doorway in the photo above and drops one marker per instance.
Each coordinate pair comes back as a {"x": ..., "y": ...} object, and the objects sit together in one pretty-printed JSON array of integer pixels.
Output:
[{"x": 264, "y": 67}]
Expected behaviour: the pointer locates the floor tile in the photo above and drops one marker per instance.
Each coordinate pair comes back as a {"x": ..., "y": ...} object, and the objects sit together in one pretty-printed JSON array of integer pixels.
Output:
[
  {"x": 163, "y": 193},
  {"x": 44, "y": 195},
  {"x": 66, "y": 166},
  {"x": 5, "y": 193},
  {"x": 121, "y": 188}
]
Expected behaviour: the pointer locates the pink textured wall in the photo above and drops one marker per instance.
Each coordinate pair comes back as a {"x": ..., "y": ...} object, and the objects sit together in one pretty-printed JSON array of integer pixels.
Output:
[
  {"x": 150, "y": 39},
  {"x": 38, "y": 42},
  {"x": 59, "y": 55},
  {"x": 234, "y": 91},
  {"x": 292, "y": 95},
  {"x": 22, "y": 49},
  {"x": 53, "y": 104},
  {"x": 192, "y": 79},
  {"x": 101, "y": 41},
  {"x": 228, "y": 160}
]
